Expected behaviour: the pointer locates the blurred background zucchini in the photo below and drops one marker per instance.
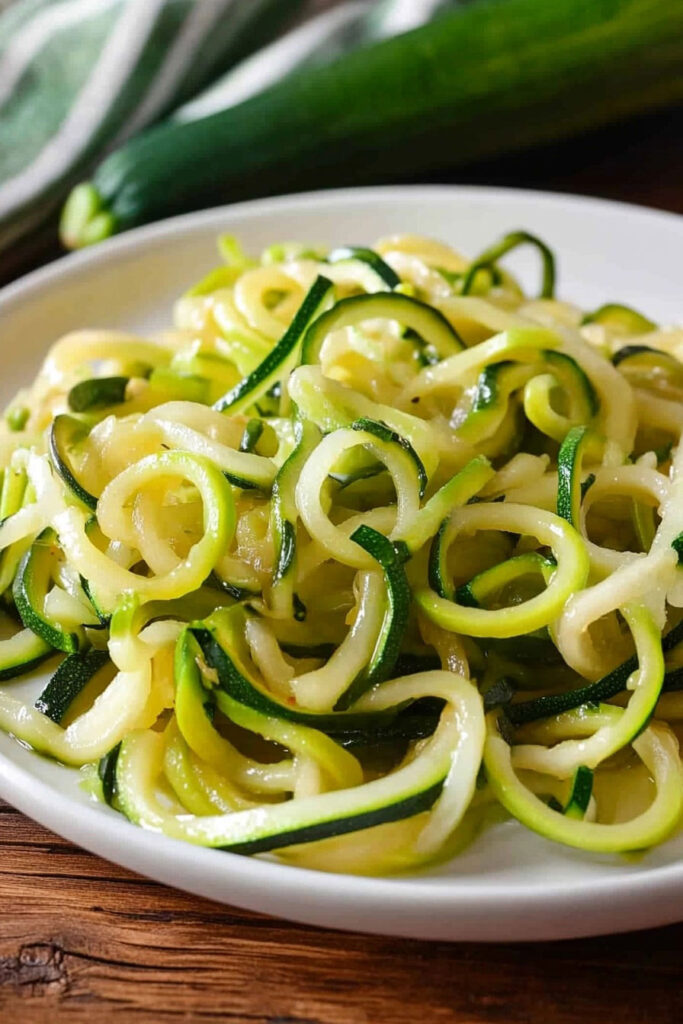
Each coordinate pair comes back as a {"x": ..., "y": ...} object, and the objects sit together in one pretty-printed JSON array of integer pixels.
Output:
[{"x": 486, "y": 77}]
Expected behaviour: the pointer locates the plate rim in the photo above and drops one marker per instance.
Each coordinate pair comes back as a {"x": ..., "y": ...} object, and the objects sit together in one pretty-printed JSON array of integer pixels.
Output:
[
  {"x": 397, "y": 905},
  {"x": 119, "y": 244},
  {"x": 485, "y": 910}
]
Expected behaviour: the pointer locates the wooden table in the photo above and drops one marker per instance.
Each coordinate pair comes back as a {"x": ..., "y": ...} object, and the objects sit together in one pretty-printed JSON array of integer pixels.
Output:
[{"x": 84, "y": 941}]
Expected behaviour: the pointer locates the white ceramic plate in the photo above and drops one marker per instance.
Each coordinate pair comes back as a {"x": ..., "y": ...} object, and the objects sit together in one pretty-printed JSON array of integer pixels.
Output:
[{"x": 510, "y": 884}]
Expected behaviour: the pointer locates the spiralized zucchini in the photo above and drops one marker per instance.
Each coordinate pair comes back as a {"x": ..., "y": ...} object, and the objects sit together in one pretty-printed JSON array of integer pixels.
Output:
[{"x": 368, "y": 545}]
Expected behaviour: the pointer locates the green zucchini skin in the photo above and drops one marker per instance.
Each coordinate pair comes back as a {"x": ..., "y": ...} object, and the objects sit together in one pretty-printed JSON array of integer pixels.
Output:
[
  {"x": 677, "y": 545},
  {"x": 438, "y": 333},
  {"x": 416, "y": 722},
  {"x": 389, "y": 436},
  {"x": 24, "y": 653},
  {"x": 28, "y": 591},
  {"x": 495, "y": 386},
  {"x": 648, "y": 364},
  {"x": 67, "y": 430},
  {"x": 392, "y": 558},
  {"x": 629, "y": 352},
  {"x": 72, "y": 676},
  {"x": 593, "y": 693},
  {"x": 581, "y": 792},
  {"x": 569, "y": 462},
  {"x": 347, "y": 727},
  {"x": 414, "y": 804},
  {"x": 534, "y": 648},
  {"x": 441, "y": 95},
  {"x": 237, "y": 593},
  {"x": 369, "y": 256},
  {"x": 97, "y": 393},
  {"x": 488, "y": 581},
  {"x": 437, "y": 573},
  {"x": 276, "y": 364},
  {"x": 104, "y": 619},
  {"x": 284, "y": 519},
  {"x": 487, "y": 260},
  {"x": 106, "y": 770},
  {"x": 251, "y": 435}
]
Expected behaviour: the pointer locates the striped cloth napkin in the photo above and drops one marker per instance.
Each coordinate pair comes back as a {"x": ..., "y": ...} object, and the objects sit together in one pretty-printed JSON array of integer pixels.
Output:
[{"x": 77, "y": 77}]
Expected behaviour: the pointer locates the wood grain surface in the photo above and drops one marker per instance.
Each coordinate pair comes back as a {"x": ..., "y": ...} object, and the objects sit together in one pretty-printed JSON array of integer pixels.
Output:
[{"x": 85, "y": 942}]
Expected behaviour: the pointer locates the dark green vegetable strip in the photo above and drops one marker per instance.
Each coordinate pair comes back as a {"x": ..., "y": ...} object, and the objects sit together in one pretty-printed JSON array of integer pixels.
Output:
[
  {"x": 421, "y": 801},
  {"x": 569, "y": 463},
  {"x": 533, "y": 648},
  {"x": 256, "y": 383},
  {"x": 389, "y": 436},
  {"x": 629, "y": 351},
  {"x": 104, "y": 618},
  {"x": 392, "y": 558},
  {"x": 251, "y": 435},
  {"x": 360, "y": 472},
  {"x": 574, "y": 380},
  {"x": 413, "y": 723},
  {"x": 432, "y": 327},
  {"x": 30, "y": 586},
  {"x": 369, "y": 256},
  {"x": 284, "y": 516},
  {"x": 587, "y": 484},
  {"x": 244, "y": 484},
  {"x": 238, "y": 593},
  {"x": 677, "y": 545},
  {"x": 347, "y": 726},
  {"x": 487, "y": 582},
  {"x": 495, "y": 252},
  {"x": 482, "y": 79},
  {"x": 72, "y": 676},
  {"x": 97, "y": 393},
  {"x": 594, "y": 693},
  {"x": 437, "y": 569},
  {"x": 65, "y": 431},
  {"x": 581, "y": 792},
  {"x": 106, "y": 770},
  {"x": 27, "y": 652}
]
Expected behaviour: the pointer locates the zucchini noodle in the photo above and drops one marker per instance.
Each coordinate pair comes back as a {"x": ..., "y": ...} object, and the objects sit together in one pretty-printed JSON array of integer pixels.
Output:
[{"x": 369, "y": 544}]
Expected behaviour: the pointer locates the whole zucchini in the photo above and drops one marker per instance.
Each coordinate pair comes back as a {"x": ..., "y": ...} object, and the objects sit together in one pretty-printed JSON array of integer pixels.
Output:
[{"x": 493, "y": 75}]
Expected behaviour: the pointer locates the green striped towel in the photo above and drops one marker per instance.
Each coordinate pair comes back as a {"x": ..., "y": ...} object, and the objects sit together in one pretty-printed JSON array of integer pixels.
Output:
[{"x": 77, "y": 77}]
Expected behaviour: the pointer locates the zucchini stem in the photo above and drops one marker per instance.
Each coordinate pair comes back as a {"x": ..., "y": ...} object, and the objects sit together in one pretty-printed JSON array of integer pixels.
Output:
[{"x": 85, "y": 220}]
